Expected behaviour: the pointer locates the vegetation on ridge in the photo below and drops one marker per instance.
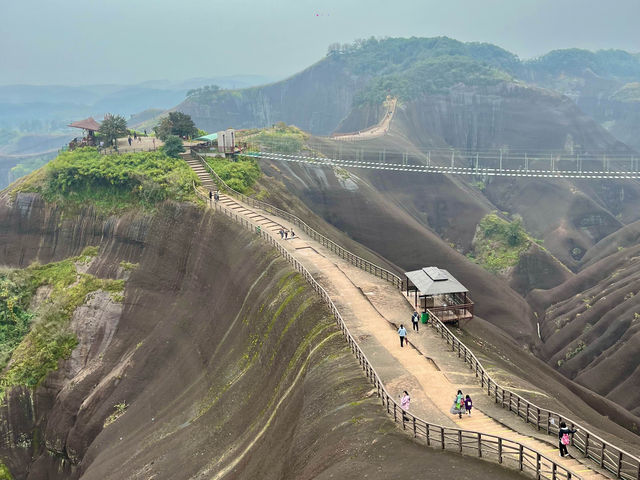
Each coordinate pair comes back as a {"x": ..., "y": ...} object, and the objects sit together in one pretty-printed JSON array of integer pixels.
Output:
[
  {"x": 281, "y": 137},
  {"x": 34, "y": 339},
  {"x": 113, "y": 183},
  {"x": 240, "y": 174},
  {"x": 409, "y": 68},
  {"x": 498, "y": 244},
  {"x": 429, "y": 76}
]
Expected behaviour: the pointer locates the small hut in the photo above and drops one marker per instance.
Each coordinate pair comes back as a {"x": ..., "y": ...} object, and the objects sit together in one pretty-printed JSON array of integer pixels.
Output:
[
  {"x": 227, "y": 141},
  {"x": 435, "y": 290},
  {"x": 89, "y": 139}
]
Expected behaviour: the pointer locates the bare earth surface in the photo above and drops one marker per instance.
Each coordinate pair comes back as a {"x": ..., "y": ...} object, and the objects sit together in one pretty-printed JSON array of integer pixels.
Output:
[{"x": 373, "y": 309}]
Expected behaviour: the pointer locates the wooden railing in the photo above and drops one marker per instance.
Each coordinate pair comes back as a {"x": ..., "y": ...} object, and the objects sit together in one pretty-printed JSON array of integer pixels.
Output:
[
  {"x": 606, "y": 455},
  {"x": 352, "y": 258},
  {"x": 507, "y": 452},
  {"x": 622, "y": 464}
]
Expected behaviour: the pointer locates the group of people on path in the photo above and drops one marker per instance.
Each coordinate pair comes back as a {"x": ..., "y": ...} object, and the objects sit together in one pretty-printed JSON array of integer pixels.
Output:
[
  {"x": 415, "y": 322},
  {"x": 213, "y": 196},
  {"x": 464, "y": 404},
  {"x": 284, "y": 233},
  {"x": 135, "y": 137},
  {"x": 461, "y": 404}
]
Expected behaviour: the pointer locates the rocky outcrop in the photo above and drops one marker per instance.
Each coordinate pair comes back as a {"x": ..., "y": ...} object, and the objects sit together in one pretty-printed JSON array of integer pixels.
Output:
[
  {"x": 220, "y": 361},
  {"x": 315, "y": 100}
]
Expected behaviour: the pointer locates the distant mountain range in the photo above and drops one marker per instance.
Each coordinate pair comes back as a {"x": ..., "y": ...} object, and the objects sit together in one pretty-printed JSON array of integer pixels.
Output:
[
  {"x": 344, "y": 89},
  {"x": 38, "y": 108}
]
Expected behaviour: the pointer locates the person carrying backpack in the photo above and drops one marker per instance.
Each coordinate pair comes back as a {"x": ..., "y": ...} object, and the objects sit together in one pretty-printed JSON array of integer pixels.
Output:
[
  {"x": 414, "y": 320},
  {"x": 564, "y": 439},
  {"x": 468, "y": 404}
]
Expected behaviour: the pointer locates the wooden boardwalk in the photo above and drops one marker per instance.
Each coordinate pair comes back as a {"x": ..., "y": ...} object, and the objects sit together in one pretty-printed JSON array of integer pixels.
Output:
[{"x": 371, "y": 308}]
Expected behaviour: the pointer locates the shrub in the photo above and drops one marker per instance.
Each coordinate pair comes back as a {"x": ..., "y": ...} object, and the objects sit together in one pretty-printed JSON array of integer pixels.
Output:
[
  {"x": 498, "y": 243},
  {"x": 113, "y": 183},
  {"x": 239, "y": 175},
  {"x": 32, "y": 342},
  {"x": 281, "y": 138},
  {"x": 173, "y": 146}
]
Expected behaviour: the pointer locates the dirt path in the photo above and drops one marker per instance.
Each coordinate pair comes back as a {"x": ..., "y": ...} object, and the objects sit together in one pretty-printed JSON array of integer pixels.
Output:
[
  {"x": 377, "y": 130},
  {"x": 372, "y": 308}
]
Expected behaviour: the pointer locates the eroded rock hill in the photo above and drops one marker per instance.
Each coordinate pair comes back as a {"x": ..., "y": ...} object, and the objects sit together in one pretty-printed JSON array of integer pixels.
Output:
[
  {"x": 219, "y": 362},
  {"x": 415, "y": 220}
]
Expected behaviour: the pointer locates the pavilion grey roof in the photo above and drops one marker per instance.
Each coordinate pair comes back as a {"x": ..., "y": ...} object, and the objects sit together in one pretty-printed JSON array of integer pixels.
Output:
[{"x": 435, "y": 281}]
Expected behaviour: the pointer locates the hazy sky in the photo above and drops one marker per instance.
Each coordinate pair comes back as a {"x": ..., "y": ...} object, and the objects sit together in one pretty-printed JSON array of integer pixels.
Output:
[{"x": 129, "y": 41}]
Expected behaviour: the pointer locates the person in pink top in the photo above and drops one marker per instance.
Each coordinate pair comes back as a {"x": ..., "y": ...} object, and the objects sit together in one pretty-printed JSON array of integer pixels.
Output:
[{"x": 405, "y": 401}]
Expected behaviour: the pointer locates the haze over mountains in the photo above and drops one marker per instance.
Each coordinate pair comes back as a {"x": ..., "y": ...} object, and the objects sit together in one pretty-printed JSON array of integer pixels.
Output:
[
  {"x": 30, "y": 107},
  {"x": 166, "y": 374}
]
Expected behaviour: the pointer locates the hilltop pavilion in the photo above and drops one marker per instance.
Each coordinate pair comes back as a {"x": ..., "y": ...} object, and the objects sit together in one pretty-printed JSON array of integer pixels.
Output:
[{"x": 90, "y": 126}]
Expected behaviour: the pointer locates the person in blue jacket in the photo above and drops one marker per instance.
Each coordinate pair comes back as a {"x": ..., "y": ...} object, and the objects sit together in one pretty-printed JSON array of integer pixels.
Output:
[{"x": 403, "y": 334}]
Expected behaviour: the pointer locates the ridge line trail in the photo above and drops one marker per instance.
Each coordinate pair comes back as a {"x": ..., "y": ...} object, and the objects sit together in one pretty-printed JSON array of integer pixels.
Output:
[
  {"x": 376, "y": 130},
  {"x": 432, "y": 392}
]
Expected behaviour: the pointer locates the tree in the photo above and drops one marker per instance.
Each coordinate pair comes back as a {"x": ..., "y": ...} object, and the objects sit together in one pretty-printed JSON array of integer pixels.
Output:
[
  {"x": 515, "y": 232},
  {"x": 113, "y": 127},
  {"x": 163, "y": 129},
  {"x": 173, "y": 146},
  {"x": 182, "y": 125},
  {"x": 177, "y": 123}
]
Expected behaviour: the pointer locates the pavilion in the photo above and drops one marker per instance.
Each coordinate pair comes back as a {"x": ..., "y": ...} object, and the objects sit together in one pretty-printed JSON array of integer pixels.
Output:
[
  {"x": 90, "y": 126},
  {"x": 437, "y": 291}
]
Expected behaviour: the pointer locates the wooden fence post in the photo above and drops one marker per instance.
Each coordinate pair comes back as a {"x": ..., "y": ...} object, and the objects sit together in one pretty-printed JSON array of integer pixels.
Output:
[{"x": 521, "y": 457}]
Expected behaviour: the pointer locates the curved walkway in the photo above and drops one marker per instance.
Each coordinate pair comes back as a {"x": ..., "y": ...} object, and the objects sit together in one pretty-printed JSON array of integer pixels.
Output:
[
  {"x": 371, "y": 308},
  {"x": 372, "y": 132}
]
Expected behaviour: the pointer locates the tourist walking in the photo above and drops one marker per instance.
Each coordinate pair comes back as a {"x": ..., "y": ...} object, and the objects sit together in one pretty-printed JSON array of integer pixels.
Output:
[
  {"x": 405, "y": 401},
  {"x": 210, "y": 196},
  {"x": 402, "y": 332},
  {"x": 281, "y": 232},
  {"x": 293, "y": 234},
  {"x": 468, "y": 404},
  {"x": 129, "y": 140},
  {"x": 564, "y": 439},
  {"x": 216, "y": 197},
  {"x": 458, "y": 404},
  {"x": 414, "y": 320},
  {"x": 286, "y": 234}
]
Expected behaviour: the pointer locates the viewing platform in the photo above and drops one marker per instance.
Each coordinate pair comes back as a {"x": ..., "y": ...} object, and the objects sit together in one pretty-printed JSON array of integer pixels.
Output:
[{"x": 437, "y": 291}]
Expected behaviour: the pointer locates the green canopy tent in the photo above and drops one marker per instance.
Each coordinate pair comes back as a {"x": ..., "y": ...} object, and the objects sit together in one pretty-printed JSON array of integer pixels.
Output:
[{"x": 212, "y": 137}]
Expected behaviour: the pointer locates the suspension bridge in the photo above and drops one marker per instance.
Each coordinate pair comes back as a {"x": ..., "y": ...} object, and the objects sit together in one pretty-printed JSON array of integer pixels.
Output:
[{"x": 485, "y": 164}]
